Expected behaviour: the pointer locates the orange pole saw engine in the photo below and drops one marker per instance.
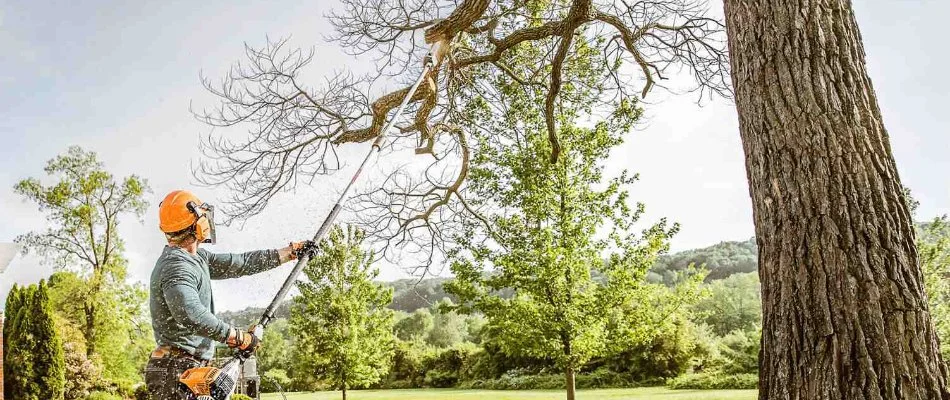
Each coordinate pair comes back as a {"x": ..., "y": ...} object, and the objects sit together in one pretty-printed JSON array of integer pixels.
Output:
[{"x": 213, "y": 383}]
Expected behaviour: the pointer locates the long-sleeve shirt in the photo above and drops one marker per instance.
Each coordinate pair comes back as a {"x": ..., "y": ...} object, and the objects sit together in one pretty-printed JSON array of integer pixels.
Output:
[{"x": 180, "y": 297}]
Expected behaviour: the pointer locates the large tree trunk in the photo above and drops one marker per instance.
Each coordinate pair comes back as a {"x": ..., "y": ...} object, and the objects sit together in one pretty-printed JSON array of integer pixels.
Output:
[{"x": 844, "y": 309}]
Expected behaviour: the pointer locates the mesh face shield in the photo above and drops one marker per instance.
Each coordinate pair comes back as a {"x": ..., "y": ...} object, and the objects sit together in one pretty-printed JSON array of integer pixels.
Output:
[{"x": 205, "y": 222}]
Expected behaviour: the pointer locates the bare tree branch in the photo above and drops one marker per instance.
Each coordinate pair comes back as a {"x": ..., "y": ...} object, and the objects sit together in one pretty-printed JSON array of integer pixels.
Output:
[{"x": 293, "y": 129}]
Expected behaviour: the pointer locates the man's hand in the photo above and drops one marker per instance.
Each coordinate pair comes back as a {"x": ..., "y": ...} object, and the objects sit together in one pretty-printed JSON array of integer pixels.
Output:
[
  {"x": 243, "y": 341},
  {"x": 296, "y": 250}
]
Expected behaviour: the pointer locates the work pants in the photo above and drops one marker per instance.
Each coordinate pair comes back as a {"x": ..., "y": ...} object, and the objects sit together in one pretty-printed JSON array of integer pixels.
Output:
[{"x": 161, "y": 376}]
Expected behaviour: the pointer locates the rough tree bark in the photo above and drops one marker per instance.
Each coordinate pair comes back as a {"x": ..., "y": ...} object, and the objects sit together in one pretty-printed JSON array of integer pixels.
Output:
[{"x": 844, "y": 308}]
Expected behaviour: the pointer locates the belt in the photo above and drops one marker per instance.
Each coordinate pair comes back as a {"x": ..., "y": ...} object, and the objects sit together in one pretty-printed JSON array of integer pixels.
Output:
[{"x": 166, "y": 351}]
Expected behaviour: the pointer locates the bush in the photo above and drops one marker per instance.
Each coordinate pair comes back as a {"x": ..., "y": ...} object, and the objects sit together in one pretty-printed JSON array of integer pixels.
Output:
[
  {"x": 740, "y": 350},
  {"x": 714, "y": 380},
  {"x": 407, "y": 367},
  {"x": 416, "y": 365},
  {"x": 515, "y": 382},
  {"x": 440, "y": 379},
  {"x": 492, "y": 361},
  {"x": 82, "y": 374},
  {"x": 104, "y": 396},
  {"x": 669, "y": 354},
  {"x": 450, "y": 366},
  {"x": 603, "y": 378}
]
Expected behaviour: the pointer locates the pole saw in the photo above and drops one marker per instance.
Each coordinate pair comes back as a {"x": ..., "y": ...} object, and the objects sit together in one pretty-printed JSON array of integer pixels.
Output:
[{"x": 218, "y": 383}]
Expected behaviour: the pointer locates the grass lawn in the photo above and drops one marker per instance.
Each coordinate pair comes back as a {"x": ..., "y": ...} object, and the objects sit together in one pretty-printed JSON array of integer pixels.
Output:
[{"x": 651, "y": 393}]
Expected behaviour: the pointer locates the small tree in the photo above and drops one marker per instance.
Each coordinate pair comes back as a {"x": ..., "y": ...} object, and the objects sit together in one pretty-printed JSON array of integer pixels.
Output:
[
  {"x": 34, "y": 351},
  {"x": 343, "y": 331},
  {"x": 83, "y": 207},
  {"x": 557, "y": 236},
  {"x": 13, "y": 383}
]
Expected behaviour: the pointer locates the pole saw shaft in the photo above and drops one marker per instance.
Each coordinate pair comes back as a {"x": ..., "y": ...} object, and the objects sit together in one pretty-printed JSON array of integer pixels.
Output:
[{"x": 328, "y": 222}]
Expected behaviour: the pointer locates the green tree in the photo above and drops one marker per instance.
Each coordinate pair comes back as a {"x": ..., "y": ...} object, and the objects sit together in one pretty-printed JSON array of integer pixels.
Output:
[
  {"x": 933, "y": 245},
  {"x": 733, "y": 303},
  {"x": 272, "y": 358},
  {"x": 342, "y": 329},
  {"x": 448, "y": 327},
  {"x": 415, "y": 326},
  {"x": 475, "y": 323},
  {"x": 33, "y": 357},
  {"x": 83, "y": 207},
  {"x": 13, "y": 312},
  {"x": 559, "y": 236},
  {"x": 124, "y": 338}
]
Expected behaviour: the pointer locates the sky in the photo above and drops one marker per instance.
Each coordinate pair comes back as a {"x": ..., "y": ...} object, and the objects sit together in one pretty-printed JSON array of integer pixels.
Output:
[{"x": 118, "y": 78}]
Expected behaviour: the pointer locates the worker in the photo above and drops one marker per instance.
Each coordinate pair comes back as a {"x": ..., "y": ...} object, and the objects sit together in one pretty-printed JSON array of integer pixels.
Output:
[{"x": 180, "y": 298}]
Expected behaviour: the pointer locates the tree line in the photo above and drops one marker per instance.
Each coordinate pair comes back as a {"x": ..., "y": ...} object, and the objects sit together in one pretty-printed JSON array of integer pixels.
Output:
[
  {"x": 721, "y": 261},
  {"x": 347, "y": 330}
]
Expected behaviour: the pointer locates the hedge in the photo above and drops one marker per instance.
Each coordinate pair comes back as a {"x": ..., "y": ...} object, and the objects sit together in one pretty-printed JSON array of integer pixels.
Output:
[{"x": 714, "y": 380}]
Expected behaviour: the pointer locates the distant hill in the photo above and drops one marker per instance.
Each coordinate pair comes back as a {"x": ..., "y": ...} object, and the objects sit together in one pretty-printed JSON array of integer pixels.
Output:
[
  {"x": 408, "y": 295},
  {"x": 721, "y": 260},
  {"x": 412, "y": 294},
  {"x": 252, "y": 315}
]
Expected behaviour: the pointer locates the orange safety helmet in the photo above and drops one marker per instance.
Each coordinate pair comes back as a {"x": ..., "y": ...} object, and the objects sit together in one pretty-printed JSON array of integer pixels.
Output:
[{"x": 181, "y": 210}]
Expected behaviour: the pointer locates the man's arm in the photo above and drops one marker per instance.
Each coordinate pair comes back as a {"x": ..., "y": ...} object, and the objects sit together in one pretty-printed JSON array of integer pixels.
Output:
[
  {"x": 236, "y": 265},
  {"x": 180, "y": 289}
]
